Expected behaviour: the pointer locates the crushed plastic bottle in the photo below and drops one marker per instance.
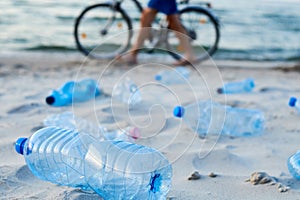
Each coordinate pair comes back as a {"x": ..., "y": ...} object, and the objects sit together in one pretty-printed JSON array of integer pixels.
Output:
[
  {"x": 293, "y": 164},
  {"x": 127, "y": 92},
  {"x": 237, "y": 87},
  {"x": 210, "y": 117},
  {"x": 113, "y": 169},
  {"x": 177, "y": 75},
  {"x": 294, "y": 103},
  {"x": 68, "y": 120},
  {"x": 73, "y": 91}
]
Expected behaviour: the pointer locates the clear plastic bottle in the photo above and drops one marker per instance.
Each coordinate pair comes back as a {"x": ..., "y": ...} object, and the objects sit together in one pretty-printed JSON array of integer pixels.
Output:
[
  {"x": 174, "y": 76},
  {"x": 68, "y": 120},
  {"x": 113, "y": 169},
  {"x": 72, "y": 91},
  {"x": 294, "y": 103},
  {"x": 293, "y": 164},
  {"x": 211, "y": 117},
  {"x": 237, "y": 87},
  {"x": 129, "y": 134},
  {"x": 127, "y": 92}
]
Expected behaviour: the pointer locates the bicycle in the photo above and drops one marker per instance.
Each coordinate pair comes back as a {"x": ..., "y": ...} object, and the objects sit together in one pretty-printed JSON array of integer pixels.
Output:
[{"x": 201, "y": 24}]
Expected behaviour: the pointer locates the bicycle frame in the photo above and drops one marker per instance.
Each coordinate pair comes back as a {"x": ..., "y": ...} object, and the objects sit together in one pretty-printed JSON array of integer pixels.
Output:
[
  {"x": 204, "y": 5},
  {"x": 138, "y": 5},
  {"x": 159, "y": 34}
]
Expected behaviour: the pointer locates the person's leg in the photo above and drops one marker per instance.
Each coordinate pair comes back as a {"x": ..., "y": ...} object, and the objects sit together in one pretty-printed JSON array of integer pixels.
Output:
[
  {"x": 175, "y": 24},
  {"x": 146, "y": 21},
  {"x": 147, "y": 18}
]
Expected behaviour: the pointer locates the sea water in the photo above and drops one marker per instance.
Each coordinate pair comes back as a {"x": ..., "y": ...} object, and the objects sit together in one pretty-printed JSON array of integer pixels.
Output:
[{"x": 250, "y": 30}]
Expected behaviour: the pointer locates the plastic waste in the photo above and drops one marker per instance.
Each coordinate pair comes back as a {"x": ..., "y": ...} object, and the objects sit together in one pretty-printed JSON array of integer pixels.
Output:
[
  {"x": 127, "y": 92},
  {"x": 211, "y": 117},
  {"x": 129, "y": 134},
  {"x": 293, "y": 164},
  {"x": 237, "y": 87},
  {"x": 294, "y": 102},
  {"x": 68, "y": 120},
  {"x": 72, "y": 91},
  {"x": 177, "y": 75},
  {"x": 113, "y": 169}
]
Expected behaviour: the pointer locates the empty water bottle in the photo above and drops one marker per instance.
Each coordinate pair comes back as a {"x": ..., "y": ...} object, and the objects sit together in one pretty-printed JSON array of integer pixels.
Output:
[
  {"x": 73, "y": 92},
  {"x": 293, "y": 164},
  {"x": 174, "y": 76},
  {"x": 211, "y": 117},
  {"x": 113, "y": 169},
  {"x": 294, "y": 103},
  {"x": 68, "y": 120},
  {"x": 127, "y": 134},
  {"x": 126, "y": 91},
  {"x": 237, "y": 87}
]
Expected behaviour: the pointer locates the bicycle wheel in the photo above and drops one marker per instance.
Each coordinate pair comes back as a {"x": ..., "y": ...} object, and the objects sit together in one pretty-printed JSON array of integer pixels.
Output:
[
  {"x": 97, "y": 31},
  {"x": 202, "y": 28}
]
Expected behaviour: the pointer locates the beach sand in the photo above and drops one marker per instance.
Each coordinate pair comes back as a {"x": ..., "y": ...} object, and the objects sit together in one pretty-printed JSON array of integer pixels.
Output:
[{"x": 26, "y": 79}]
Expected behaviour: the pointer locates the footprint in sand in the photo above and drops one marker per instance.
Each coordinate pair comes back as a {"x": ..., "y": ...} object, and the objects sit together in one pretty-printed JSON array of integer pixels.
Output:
[
  {"x": 107, "y": 120},
  {"x": 34, "y": 96},
  {"x": 3, "y": 74},
  {"x": 107, "y": 110},
  {"x": 274, "y": 89},
  {"x": 20, "y": 66},
  {"x": 23, "y": 108}
]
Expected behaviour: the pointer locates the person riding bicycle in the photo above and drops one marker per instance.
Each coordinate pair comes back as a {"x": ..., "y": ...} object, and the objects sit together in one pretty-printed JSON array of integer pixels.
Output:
[{"x": 169, "y": 8}]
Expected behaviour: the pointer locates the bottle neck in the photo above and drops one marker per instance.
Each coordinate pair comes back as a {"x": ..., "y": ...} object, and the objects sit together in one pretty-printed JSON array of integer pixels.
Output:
[{"x": 19, "y": 145}]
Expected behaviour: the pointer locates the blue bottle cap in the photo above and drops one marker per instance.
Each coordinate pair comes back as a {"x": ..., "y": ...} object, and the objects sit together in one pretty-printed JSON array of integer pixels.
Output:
[
  {"x": 178, "y": 111},
  {"x": 251, "y": 82},
  {"x": 158, "y": 77},
  {"x": 19, "y": 145},
  {"x": 97, "y": 92},
  {"x": 220, "y": 91},
  {"x": 50, "y": 100},
  {"x": 292, "y": 101}
]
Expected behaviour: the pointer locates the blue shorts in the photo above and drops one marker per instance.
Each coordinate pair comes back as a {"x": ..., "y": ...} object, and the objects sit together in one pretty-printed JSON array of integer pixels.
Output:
[{"x": 168, "y": 7}]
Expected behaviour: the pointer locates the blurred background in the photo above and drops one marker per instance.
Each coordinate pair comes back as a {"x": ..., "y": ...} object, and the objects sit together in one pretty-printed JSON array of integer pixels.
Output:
[{"x": 262, "y": 30}]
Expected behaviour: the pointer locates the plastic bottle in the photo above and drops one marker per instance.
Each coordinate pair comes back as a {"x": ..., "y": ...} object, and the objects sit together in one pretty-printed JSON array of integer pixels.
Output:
[
  {"x": 174, "y": 76},
  {"x": 127, "y": 92},
  {"x": 127, "y": 134},
  {"x": 68, "y": 120},
  {"x": 72, "y": 91},
  {"x": 113, "y": 169},
  {"x": 237, "y": 87},
  {"x": 294, "y": 103},
  {"x": 293, "y": 164},
  {"x": 211, "y": 117}
]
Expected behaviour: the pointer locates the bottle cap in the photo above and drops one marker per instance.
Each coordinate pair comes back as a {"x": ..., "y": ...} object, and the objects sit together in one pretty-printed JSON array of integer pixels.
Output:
[
  {"x": 50, "y": 100},
  {"x": 158, "y": 77},
  {"x": 135, "y": 133},
  {"x": 19, "y": 145},
  {"x": 97, "y": 92},
  {"x": 292, "y": 101},
  {"x": 220, "y": 90},
  {"x": 178, "y": 111},
  {"x": 251, "y": 82}
]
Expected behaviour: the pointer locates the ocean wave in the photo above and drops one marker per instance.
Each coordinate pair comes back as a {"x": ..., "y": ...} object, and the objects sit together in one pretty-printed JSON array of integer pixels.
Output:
[{"x": 50, "y": 48}]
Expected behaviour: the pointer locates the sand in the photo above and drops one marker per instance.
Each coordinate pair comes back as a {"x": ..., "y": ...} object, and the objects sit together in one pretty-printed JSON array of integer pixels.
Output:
[{"x": 26, "y": 80}]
